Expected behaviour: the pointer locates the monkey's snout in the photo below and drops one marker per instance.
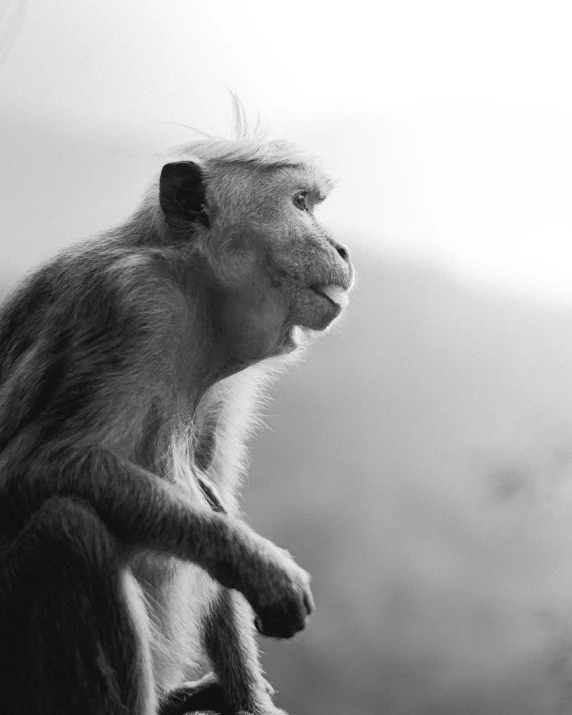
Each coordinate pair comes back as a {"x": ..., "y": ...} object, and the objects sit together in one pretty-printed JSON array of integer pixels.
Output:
[
  {"x": 340, "y": 249},
  {"x": 344, "y": 271}
]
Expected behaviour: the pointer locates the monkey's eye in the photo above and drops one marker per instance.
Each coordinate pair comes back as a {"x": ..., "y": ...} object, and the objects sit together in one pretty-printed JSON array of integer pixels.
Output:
[{"x": 301, "y": 201}]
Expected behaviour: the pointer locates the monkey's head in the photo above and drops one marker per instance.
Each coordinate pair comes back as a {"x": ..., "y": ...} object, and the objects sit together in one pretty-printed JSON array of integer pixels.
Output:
[{"x": 244, "y": 212}]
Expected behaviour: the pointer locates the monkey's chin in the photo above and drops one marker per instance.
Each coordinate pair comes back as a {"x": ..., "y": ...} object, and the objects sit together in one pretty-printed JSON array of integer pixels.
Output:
[{"x": 301, "y": 336}]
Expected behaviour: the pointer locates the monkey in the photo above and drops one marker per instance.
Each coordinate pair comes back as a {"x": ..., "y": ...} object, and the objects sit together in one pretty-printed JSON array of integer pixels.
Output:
[{"x": 131, "y": 370}]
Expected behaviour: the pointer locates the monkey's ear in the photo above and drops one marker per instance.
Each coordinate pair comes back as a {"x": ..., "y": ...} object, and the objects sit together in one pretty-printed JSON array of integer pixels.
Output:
[{"x": 182, "y": 194}]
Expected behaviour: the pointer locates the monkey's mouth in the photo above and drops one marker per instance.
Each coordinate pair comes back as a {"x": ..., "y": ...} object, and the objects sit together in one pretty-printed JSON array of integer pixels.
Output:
[
  {"x": 317, "y": 305},
  {"x": 333, "y": 293},
  {"x": 321, "y": 306}
]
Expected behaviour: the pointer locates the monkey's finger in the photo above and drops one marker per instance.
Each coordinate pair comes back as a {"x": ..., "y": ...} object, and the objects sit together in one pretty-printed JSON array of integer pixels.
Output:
[{"x": 309, "y": 602}]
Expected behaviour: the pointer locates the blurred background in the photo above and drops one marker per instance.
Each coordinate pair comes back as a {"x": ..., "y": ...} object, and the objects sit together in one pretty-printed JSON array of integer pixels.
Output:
[{"x": 419, "y": 461}]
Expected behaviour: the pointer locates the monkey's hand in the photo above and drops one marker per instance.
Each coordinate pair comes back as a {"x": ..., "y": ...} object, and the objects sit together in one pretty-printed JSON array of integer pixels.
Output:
[{"x": 277, "y": 589}]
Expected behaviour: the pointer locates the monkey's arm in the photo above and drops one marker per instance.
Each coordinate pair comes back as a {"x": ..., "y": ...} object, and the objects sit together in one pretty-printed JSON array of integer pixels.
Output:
[{"x": 143, "y": 511}]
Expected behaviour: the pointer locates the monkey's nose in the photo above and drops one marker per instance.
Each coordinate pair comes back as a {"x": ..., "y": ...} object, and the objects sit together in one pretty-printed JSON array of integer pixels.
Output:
[{"x": 342, "y": 251}]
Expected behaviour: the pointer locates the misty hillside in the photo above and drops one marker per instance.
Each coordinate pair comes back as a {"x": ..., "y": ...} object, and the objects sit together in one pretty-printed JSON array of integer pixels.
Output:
[{"x": 419, "y": 464}]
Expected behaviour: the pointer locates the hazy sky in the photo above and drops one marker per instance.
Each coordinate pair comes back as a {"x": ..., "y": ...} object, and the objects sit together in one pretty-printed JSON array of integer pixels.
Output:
[{"x": 449, "y": 122}]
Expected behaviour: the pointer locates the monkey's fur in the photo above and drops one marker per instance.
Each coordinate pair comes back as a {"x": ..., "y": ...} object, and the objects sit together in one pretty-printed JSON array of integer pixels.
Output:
[{"x": 129, "y": 370}]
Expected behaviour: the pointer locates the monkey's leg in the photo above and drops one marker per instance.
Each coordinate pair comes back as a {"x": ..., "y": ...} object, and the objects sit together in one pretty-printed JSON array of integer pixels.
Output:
[
  {"x": 234, "y": 656},
  {"x": 232, "y": 649},
  {"x": 73, "y": 629},
  {"x": 237, "y": 684}
]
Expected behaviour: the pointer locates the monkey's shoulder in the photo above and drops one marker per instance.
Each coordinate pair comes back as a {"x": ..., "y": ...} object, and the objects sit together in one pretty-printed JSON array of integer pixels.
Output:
[{"x": 91, "y": 292}]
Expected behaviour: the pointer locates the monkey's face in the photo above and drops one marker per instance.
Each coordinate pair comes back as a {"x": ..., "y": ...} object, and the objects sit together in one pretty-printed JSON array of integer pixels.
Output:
[{"x": 271, "y": 265}]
